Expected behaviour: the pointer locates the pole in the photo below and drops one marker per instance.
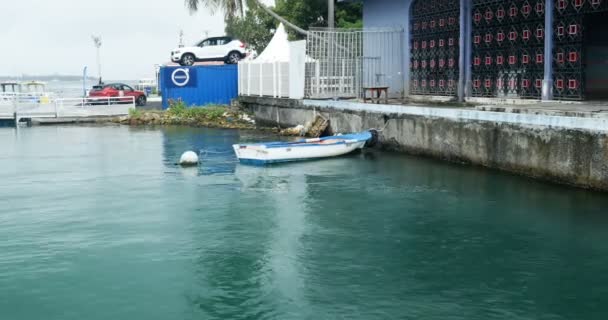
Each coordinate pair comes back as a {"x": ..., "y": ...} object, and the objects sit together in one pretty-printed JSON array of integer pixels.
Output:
[
  {"x": 98, "y": 64},
  {"x": 331, "y": 24},
  {"x": 97, "y": 42},
  {"x": 462, "y": 54},
  {"x": 547, "y": 90},
  {"x": 84, "y": 82},
  {"x": 468, "y": 50},
  {"x": 331, "y": 14}
]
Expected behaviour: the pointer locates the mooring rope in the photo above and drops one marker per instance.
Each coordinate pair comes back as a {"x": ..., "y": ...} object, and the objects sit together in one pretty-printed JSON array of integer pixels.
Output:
[
  {"x": 204, "y": 152},
  {"x": 384, "y": 127}
]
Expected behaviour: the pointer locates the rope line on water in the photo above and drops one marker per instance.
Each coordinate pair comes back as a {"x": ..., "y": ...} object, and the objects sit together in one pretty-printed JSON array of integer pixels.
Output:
[{"x": 205, "y": 152}]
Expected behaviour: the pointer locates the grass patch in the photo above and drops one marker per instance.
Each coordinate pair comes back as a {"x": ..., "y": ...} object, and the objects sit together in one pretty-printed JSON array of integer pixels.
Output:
[
  {"x": 178, "y": 109},
  {"x": 135, "y": 113}
]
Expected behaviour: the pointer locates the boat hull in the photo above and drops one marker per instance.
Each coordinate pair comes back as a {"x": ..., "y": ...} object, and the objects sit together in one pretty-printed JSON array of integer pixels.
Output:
[{"x": 303, "y": 150}]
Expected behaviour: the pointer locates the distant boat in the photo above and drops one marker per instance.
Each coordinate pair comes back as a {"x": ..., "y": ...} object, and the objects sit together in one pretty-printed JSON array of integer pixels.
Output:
[
  {"x": 35, "y": 91},
  {"x": 8, "y": 91},
  {"x": 29, "y": 91},
  {"x": 9, "y": 86},
  {"x": 304, "y": 149}
]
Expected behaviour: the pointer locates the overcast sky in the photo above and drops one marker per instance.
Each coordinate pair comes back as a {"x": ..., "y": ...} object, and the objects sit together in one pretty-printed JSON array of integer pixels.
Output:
[{"x": 47, "y": 37}]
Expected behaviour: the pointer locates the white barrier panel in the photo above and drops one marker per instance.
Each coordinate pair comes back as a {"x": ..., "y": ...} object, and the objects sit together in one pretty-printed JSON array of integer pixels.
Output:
[
  {"x": 269, "y": 79},
  {"x": 275, "y": 79},
  {"x": 297, "y": 69}
]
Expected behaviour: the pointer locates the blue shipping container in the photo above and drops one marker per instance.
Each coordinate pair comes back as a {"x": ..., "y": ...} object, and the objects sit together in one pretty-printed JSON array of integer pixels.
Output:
[{"x": 199, "y": 85}]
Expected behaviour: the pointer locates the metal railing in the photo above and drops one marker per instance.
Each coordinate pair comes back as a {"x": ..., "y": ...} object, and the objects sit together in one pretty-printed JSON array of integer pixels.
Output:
[
  {"x": 340, "y": 63},
  {"x": 20, "y": 106}
]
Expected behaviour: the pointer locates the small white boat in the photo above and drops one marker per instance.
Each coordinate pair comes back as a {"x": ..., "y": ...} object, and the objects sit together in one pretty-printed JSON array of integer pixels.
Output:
[{"x": 304, "y": 149}]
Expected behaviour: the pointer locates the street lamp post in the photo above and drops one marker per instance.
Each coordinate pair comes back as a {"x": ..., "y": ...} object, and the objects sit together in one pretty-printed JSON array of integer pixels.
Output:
[
  {"x": 84, "y": 81},
  {"x": 331, "y": 24},
  {"x": 97, "y": 42}
]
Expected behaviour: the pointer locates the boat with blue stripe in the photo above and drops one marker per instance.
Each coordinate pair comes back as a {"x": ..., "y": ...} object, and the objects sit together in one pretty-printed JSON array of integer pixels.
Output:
[{"x": 301, "y": 150}]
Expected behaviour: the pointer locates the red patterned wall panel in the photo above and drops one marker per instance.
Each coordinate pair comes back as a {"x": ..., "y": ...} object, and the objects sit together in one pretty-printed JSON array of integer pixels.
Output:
[
  {"x": 508, "y": 48},
  {"x": 568, "y": 52},
  {"x": 435, "y": 33}
]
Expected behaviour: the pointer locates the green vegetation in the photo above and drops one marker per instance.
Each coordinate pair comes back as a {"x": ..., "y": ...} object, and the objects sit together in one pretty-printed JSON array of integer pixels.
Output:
[
  {"x": 257, "y": 27},
  {"x": 214, "y": 116},
  {"x": 350, "y": 15},
  {"x": 179, "y": 110},
  {"x": 313, "y": 13},
  {"x": 135, "y": 113}
]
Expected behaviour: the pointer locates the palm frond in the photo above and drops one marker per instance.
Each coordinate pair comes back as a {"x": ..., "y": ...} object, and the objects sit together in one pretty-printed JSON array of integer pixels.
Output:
[{"x": 233, "y": 8}]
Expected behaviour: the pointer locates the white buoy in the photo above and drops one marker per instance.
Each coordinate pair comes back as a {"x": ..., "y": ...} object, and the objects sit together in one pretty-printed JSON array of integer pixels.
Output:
[{"x": 189, "y": 158}]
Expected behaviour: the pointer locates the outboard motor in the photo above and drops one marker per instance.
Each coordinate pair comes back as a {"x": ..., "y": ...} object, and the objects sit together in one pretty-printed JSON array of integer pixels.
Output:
[{"x": 374, "y": 140}]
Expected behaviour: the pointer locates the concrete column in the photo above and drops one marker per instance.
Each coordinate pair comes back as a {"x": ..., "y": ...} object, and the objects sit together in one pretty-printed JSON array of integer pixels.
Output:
[
  {"x": 547, "y": 93},
  {"x": 469, "y": 48},
  {"x": 462, "y": 48},
  {"x": 406, "y": 48}
]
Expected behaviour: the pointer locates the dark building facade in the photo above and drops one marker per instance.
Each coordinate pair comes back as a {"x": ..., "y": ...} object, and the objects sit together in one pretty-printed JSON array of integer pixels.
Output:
[{"x": 515, "y": 49}]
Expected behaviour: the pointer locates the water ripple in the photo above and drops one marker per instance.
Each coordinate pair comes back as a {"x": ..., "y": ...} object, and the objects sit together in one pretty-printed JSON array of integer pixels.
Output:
[{"x": 99, "y": 223}]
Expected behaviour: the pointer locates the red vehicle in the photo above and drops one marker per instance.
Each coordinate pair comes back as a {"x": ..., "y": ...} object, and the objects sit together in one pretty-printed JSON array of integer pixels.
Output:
[{"x": 117, "y": 93}]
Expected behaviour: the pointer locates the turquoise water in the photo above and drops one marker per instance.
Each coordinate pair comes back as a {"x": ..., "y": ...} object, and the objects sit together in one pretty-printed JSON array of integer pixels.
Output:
[{"x": 98, "y": 223}]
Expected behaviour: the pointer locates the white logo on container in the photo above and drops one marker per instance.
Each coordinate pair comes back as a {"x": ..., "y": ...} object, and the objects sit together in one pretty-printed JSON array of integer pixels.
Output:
[{"x": 180, "y": 77}]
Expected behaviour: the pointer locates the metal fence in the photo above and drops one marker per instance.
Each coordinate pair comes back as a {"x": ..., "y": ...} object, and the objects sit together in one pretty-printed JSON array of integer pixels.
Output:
[
  {"x": 18, "y": 106},
  {"x": 341, "y": 62}
]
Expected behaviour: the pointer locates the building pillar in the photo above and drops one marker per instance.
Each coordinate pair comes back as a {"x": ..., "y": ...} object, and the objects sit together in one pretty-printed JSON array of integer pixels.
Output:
[
  {"x": 406, "y": 48},
  {"x": 469, "y": 49},
  {"x": 462, "y": 48},
  {"x": 547, "y": 93}
]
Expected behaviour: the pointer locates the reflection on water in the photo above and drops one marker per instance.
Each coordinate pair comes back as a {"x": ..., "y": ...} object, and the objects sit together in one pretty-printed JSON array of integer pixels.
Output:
[{"x": 100, "y": 223}]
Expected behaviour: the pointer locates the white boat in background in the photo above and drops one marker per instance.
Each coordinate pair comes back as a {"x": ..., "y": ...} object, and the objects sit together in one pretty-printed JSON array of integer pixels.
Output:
[
  {"x": 304, "y": 149},
  {"x": 28, "y": 91},
  {"x": 9, "y": 87},
  {"x": 9, "y": 90}
]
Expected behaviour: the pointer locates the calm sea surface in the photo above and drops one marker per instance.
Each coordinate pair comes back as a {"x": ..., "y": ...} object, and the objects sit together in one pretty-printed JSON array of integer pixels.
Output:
[{"x": 98, "y": 223}]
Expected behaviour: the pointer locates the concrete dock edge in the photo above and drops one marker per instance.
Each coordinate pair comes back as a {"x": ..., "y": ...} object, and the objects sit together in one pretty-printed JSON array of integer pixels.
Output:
[{"x": 560, "y": 149}]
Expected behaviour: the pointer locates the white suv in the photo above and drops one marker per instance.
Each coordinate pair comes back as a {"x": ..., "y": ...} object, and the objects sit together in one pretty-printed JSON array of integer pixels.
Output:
[{"x": 213, "y": 49}]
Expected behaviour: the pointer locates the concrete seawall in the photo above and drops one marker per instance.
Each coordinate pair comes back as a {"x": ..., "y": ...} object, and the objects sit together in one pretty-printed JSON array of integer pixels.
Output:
[{"x": 567, "y": 150}]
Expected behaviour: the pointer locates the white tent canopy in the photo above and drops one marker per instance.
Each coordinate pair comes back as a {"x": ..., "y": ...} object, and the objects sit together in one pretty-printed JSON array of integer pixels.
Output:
[
  {"x": 278, "y": 71},
  {"x": 278, "y": 48}
]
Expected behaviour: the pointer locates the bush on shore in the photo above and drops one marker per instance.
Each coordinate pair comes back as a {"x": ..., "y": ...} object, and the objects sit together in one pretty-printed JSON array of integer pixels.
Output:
[
  {"x": 209, "y": 113},
  {"x": 179, "y": 113}
]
